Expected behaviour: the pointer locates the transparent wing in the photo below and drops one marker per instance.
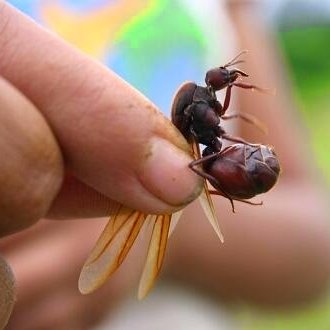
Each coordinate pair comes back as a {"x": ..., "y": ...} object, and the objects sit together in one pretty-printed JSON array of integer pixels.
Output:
[
  {"x": 208, "y": 207},
  {"x": 206, "y": 200},
  {"x": 156, "y": 252},
  {"x": 174, "y": 221},
  {"x": 111, "y": 248}
]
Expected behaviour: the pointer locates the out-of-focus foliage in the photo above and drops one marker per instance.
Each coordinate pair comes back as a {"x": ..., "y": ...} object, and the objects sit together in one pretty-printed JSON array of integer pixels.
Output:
[
  {"x": 316, "y": 317},
  {"x": 307, "y": 50}
]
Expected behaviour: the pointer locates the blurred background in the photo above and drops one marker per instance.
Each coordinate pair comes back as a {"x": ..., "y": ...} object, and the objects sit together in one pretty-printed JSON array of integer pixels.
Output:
[{"x": 158, "y": 44}]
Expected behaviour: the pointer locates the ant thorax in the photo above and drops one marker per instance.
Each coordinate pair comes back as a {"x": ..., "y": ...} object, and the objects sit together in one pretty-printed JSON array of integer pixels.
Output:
[{"x": 204, "y": 116}]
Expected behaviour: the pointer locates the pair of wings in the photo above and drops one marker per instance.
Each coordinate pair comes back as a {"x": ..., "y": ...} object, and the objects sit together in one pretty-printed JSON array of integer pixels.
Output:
[{"x": 119, "y": 235}]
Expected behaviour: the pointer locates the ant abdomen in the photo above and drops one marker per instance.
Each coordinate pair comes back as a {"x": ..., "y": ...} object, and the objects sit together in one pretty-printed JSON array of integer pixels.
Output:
[{"x": 243, "y": 171}]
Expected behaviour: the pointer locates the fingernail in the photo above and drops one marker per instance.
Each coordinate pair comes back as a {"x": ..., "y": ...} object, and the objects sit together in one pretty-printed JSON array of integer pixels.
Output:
[{"x": 166, "y": 174}]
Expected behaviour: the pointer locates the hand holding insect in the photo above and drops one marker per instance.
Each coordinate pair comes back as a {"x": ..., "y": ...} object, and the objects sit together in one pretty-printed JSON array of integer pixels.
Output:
[{"x": 101, "y": 174}]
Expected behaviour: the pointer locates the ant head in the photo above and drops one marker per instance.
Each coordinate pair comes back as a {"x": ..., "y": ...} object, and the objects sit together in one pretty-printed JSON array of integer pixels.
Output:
[{"x": 221, "y": 77}]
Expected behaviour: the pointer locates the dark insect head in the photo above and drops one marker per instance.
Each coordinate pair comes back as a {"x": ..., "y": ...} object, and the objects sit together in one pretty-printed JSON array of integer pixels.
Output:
[{"x": 221, "y": 77}]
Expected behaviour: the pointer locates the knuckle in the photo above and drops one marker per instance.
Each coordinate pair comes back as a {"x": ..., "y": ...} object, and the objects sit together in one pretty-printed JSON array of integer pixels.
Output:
[
  {"x": 31, "y": 167},
  {"x": 27, "y": 194}
]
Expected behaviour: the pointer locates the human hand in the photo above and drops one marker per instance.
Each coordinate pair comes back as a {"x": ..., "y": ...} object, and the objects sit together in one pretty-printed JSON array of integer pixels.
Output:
[{"x": 76, "y": 139}]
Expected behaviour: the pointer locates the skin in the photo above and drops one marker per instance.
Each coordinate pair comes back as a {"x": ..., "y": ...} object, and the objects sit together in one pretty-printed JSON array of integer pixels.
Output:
[{"x": 274, "y": 254}]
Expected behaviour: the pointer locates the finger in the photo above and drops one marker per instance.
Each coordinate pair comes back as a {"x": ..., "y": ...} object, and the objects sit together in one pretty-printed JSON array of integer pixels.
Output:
[
  {"x": 77, "y": 200},
  {"x": 56, "y": 281},
  {"x": 31, "y": 166},
  {"x": 58, "y": 309},
  {"x": 62, "y": 308},
  {"x": 65, "y": 308},
  {"x": 113, "y": 138},
  {"x": 38, "y": 269}
]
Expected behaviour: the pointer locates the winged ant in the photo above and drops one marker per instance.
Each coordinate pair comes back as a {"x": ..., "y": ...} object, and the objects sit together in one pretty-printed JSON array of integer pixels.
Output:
[{"x": 237, "y": 172}]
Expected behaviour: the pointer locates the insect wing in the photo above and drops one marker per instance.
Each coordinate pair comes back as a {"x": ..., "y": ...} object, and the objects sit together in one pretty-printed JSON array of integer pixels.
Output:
[
  {"x": 156, "y": 252},
  {"x": 174, "y": 221},
  {"x": 206, "y": 200},
  {"x": 208, "y": 207},
  {"x": 111, "y": 248}
]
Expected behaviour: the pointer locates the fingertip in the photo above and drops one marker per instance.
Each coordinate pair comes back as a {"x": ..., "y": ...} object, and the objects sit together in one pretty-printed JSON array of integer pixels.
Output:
[{"x": 165, "y": 173}]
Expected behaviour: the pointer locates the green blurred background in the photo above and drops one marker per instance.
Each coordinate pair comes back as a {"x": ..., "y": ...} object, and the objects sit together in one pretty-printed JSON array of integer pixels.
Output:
[
  {"x": 302, "y": 29},
  {"x": 307, "y": 51}
]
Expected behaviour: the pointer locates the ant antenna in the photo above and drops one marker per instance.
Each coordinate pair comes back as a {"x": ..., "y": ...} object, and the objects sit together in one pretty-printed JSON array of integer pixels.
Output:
[
  {"x": 234, "y": 63},
  {"x": 234, "y": 60}
]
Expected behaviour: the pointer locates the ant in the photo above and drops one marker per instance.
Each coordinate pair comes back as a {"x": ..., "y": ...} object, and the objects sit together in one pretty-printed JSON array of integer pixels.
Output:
[{"x": 238, "y": 172}]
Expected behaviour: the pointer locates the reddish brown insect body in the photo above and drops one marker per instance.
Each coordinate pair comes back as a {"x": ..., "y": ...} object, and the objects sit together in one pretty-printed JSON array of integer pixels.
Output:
[
  {"x": 242, "y": 171},
  {"x": 237, "y": 172},
  {"x": 196, "y": 113}
]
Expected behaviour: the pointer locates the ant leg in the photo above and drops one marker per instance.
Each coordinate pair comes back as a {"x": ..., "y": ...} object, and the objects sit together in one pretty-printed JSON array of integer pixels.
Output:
[
  {"x": 218, "y": 193},
  {"x": 221, "y": 133},
  {"x": 203, "y": 159},
  {"x": 252, "y": 87},
  {"x": 238, "y": 140},
  {"x": 241, "y": 85},
  {"x": 248, "y": 118},
  {"x": 227, "y": 100},
  {"x": 242, "y": 73},
  {"x": 209, "y": 177}
]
